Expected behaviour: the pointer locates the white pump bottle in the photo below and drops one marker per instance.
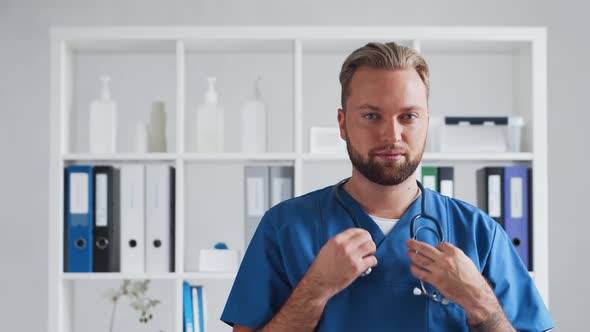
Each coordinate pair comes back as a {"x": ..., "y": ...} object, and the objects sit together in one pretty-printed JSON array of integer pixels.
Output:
[
  {"x": 210, "y": 122},
  {"x": 254, "y": 123},
  {"x": 102, "y": 124}
]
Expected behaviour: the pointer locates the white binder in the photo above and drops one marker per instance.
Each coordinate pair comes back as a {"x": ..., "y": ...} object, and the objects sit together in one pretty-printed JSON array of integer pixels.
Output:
[
  {"x": 281, "y": 184},
  {"x": 159, "y": 223},
  {"x": 257, "y": 198},
  {"x": 132, "y": 218}
]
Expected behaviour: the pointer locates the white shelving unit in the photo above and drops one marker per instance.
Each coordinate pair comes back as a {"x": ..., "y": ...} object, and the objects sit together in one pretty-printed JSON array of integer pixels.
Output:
[{"x": 474, "y": 71}]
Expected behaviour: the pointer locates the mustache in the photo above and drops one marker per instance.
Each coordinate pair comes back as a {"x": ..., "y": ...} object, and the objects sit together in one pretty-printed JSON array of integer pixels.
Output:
[{"x": 389, "y": 147}]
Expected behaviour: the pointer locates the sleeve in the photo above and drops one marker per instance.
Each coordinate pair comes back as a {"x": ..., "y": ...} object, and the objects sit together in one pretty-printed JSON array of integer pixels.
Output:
[
  {"x": 261, "y": 286},
  {"x": 514, "y": 287}
]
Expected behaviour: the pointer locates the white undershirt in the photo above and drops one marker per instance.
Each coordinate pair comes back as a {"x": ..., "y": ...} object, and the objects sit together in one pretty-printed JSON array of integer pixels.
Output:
[{"x": 385, "y": 224}]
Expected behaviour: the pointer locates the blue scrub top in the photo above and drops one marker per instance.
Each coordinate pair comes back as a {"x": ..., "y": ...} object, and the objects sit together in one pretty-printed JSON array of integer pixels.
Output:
[{"x": 291, "y": 234}]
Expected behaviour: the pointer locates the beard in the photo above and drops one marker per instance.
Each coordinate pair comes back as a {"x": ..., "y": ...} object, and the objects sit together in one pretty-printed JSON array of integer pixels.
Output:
[{"x": 388, "y": 173}]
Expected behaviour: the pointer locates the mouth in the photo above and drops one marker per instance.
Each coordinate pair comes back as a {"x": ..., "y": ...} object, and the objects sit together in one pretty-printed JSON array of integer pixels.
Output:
[{"x": 389, "y": 155}]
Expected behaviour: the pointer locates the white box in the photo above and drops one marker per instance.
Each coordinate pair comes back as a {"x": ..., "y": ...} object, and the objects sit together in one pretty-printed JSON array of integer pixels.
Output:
[
  {"x": 326, "y": 140},
  {"x": 475, "y": 134},
  {"x": 219, "y": 260}
]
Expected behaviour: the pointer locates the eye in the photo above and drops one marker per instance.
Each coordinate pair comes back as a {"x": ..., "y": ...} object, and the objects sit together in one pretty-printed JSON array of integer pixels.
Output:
[
  {"x": 409, "y": 116},
  {"x": 370, "y": 116}
]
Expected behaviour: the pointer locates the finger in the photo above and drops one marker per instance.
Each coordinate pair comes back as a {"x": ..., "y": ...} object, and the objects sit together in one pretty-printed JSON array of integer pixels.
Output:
[
  {"x": 359, "y": 240},
  {"x": 420, "y": 273},
  {"x": 369, "y": 261},
  {"x": 446, "y": 247},
  {"x": 424, "y": 248},
  {"x": 367, "y": 248},
  {"x": 420, "y": 260},
  {"x": 349, "y": 233}
]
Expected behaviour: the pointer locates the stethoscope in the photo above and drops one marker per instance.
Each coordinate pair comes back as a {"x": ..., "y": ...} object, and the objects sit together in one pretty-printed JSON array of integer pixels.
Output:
[{"x": 434, "y": 294}]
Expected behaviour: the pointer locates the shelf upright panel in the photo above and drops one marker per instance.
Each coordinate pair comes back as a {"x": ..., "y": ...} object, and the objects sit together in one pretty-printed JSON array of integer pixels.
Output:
[
  {"x": 540, "y": 183},
  {"x": 62, "y": 74},
  {"x": 298, "y": 73},
  {"x": 179, "y": 305},
  {"x": 179, "y": 178}
]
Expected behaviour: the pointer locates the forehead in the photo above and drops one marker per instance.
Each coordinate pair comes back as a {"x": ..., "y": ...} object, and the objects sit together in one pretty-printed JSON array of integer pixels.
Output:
[{"x": 387, "y": 86}]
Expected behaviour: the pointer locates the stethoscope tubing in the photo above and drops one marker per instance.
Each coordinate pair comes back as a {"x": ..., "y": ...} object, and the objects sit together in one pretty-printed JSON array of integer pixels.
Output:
[{"x": 434, "y": 295}]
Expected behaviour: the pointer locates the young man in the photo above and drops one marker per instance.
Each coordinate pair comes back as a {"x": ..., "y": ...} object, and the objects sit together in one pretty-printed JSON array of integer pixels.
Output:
[{"x": 341, "y": 258}]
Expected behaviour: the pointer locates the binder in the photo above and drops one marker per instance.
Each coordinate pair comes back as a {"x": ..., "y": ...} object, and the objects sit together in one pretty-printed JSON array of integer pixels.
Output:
[
  {"x": 281, "y": 184},
  {"x": 132, "y": 218},
  {"x": 79, "y": 212},
  {"x": 430, "y": 177},
  {"x": 187, "y": 306},
  {"x": 256, "y": 191},
  {"x": 106, "y": 219},
  {"x": 199, "y": 308},
  {"x": 516, "y": 209},
  {"x": 490, "y": 192},
  {"x": 65, "y": 243},
  {"x": 446, "y": 181},
  {"x": 159, "y": 222},
  {"x": 531, "y": 220}
]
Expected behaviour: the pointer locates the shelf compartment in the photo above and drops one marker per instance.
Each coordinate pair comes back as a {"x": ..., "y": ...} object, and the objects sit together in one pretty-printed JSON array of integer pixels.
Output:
[
  {"x": 91, "y": 307},
  {"x": 235, "y": 72},
  {"x": 141, "y": 72}
]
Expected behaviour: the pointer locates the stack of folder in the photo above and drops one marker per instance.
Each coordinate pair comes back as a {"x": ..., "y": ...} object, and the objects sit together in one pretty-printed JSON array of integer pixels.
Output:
[
  {"x": 194, "y": 311},
  {"x": 119, "y": 220},
  {"x": 265, "y": 186},
  {"x": 439, "y": 179},
  {"x": 505, "y": 194}
]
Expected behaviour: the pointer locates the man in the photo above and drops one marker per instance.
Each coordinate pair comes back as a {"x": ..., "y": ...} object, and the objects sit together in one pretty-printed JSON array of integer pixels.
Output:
[{"x": 341, "y": 258}]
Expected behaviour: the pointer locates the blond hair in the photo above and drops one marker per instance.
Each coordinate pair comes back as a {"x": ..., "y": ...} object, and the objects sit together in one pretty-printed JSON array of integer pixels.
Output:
[{"x": 388, "y": 56}]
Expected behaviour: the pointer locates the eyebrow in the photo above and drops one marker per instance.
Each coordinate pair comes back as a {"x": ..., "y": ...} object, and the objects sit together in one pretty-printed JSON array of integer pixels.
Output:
[
  {"x": 377, "y": 108},
  {"x": 369, "y": 106}
]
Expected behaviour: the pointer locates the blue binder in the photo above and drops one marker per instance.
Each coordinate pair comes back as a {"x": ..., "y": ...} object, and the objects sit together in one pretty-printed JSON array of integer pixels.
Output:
[
  {"x": 516, "y": 210},
  {"x": 201, "y": 308},
  {"x": 187, "y": 308},
  {"x": 79, "y": 212}
]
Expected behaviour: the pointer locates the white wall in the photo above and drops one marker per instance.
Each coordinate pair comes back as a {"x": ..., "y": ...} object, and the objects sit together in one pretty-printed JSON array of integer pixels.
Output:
[{"x": 24, "y": 131}]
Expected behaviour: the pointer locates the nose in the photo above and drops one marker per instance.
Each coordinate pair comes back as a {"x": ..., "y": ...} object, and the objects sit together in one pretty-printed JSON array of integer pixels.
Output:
[{"x": 391, "y": 131}]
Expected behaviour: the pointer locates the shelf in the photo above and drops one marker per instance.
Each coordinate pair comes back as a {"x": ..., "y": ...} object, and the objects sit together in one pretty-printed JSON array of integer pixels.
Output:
[
  {"x": 209, "y": 275},
  {"x": 494, "y": 156},
  {"x": 435, "y": 156},
  {"x": 118, "y": 276},
  {"x": 499, "y": 71},
  {"x": 151, "y": 276},
  {"x": 239, "y": 156},
  {"x": 120, "y": 157}
]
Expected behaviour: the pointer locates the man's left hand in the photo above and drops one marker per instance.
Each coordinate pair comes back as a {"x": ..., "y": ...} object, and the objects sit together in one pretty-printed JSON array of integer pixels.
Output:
[{"x": 450, "y": 271}]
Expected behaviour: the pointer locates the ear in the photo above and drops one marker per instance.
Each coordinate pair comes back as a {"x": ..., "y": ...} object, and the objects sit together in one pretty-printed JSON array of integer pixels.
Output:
[{"x": 342, "y": 123}]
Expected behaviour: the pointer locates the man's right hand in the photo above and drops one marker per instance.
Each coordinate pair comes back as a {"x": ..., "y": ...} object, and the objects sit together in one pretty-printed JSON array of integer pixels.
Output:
[{"x": 340, "y": 261}]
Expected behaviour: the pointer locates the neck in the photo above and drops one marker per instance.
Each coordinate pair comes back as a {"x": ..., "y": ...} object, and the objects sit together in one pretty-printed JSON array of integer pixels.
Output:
[{"x": 382, "y": 201}]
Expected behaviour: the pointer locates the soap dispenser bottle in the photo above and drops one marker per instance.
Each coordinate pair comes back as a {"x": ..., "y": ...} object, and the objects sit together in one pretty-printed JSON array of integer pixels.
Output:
[
  {"x": 102, "y": 122},
  {"x": 210, "y": 122},
  {"x": 254, "y": 122}
]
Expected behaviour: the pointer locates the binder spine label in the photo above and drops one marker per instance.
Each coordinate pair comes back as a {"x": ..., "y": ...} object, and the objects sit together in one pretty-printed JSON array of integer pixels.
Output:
[
  {"x": 255, "y": 196},
  {"x": 446, "y": 187},
  {"x": 278, "y": 190},
  {"x": 516, "y": 194},
  {"x": 101, "y": 209},
  {"x": 429, "y": 182},
  {"x": 494, "y": 196},
  {"x": 79, "y": 193}
]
